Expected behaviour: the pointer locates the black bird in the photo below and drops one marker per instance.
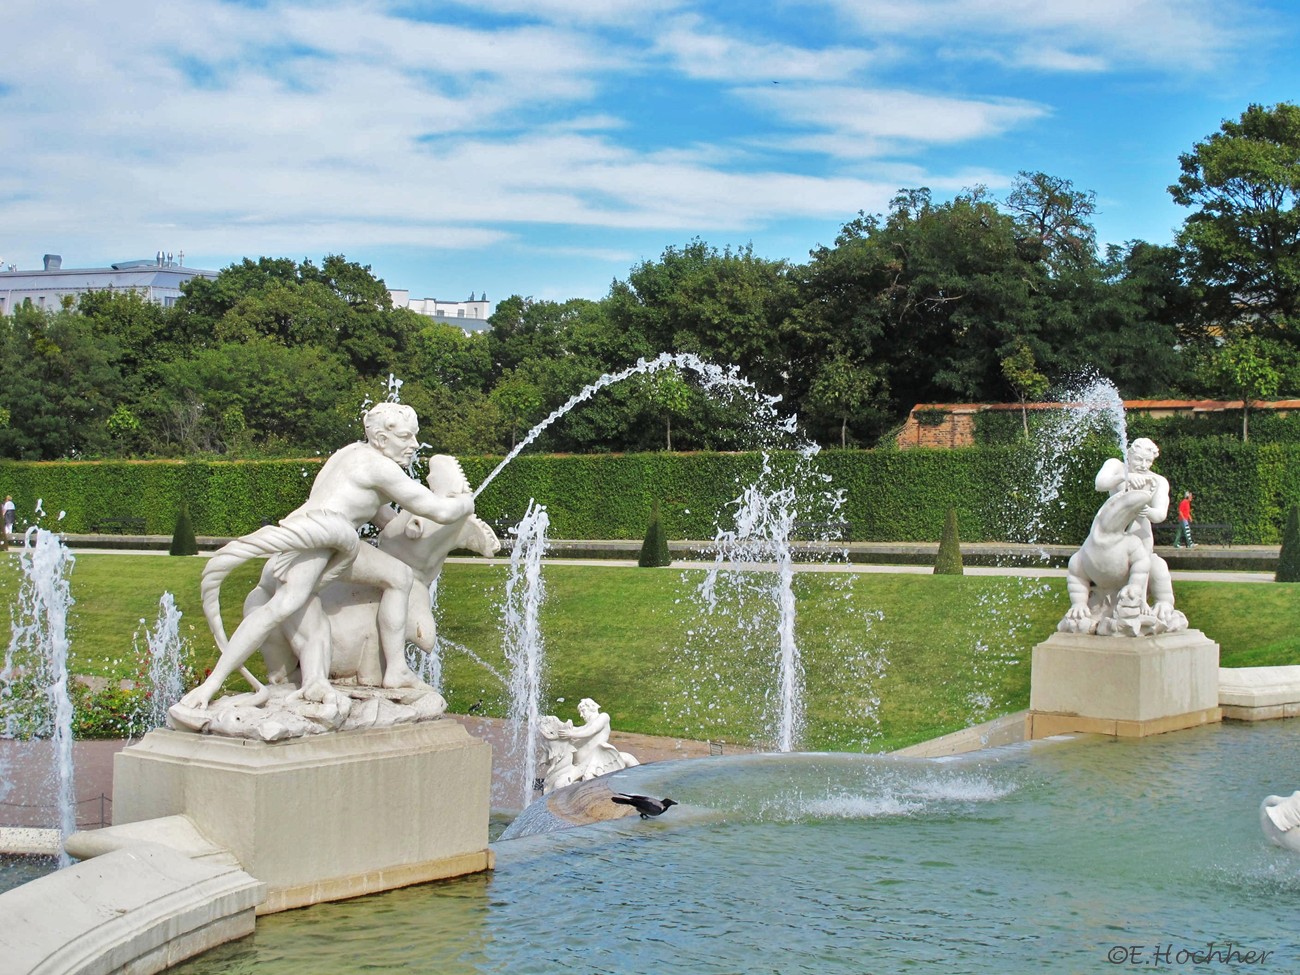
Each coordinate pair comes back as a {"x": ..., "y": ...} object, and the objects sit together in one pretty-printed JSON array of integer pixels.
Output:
[{"x": 646, "y": 806}]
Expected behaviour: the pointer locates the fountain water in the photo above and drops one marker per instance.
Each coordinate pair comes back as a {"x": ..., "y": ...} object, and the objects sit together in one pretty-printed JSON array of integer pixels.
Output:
[
  {"x": 168, "y": 663},
  {"x": 1091, "y": 404},
  {"x": 765, "y": 519},
  {"x": 1021, "y": 859},
  {"x": 714, "y": 379},
  {"x": 34, "y": 693},
  {"x": 525, "y": 650}
]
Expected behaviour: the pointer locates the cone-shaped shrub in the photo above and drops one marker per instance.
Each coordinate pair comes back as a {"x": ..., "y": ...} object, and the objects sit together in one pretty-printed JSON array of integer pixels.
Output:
[
  {"x": 183, "y": 541},
  {"x": 1288, "y": 563},
  {"x": 948, "y": 561},
  {"x": 654, "y": 550}
]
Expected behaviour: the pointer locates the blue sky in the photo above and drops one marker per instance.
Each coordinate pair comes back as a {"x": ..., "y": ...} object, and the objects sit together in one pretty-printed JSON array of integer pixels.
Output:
[{"x": 543, "y": 147}]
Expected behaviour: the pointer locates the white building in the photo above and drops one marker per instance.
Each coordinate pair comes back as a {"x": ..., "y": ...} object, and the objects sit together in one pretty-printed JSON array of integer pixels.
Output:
[
  {"x": 158, "y": 281},
  {"x": 471, "y": 314}
]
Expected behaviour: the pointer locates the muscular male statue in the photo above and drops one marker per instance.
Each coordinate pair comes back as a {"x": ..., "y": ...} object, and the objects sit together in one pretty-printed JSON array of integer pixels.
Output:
[{"x": 318, "y": 543}]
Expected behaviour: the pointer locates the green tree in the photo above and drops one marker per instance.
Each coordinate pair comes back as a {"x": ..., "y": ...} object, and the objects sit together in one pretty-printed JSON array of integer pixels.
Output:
[
  {"x": 725, "y": 306},
  {"x": 670, "y": 396},
  {"x": 518, "y": 402},
  {"x": 259, "y": 395},
  {"x": 183, "y": 540},
  {"x": 1243, "y": 240},
  {"x": 60, "y": 383},
  {"x": 948, "y": 560},
  {"x": 654, "y": 550},
  {"x": 340, "y": 307},
  {"x": 1246, "y": 368},
  {"x": 843, "y": 389},
  {"x": 1054, "y": 218},
  {"x": 1022, "y": 375}
]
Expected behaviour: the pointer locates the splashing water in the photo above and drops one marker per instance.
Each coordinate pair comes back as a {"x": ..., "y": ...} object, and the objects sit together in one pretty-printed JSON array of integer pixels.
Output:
[
  {"x": 34, "y": 696},
  {"x": 524, "y": 648},
  {"x": 1088, "y": 405},
  {"x": 765, "y": 519},
  {"x": 394, "y": 389},
  {"x": 168, "y": 661},
  {"x": 713, "y": 378}
]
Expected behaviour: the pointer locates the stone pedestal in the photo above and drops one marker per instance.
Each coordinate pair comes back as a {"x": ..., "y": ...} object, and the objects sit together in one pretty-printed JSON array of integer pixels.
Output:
[
  {"x": 324, "y": 817},
  {"x": 1124, "y": 686}
]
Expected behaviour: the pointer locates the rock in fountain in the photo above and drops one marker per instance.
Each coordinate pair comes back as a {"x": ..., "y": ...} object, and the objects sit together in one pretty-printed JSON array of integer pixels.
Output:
[{"x": 1123, "y": 661}]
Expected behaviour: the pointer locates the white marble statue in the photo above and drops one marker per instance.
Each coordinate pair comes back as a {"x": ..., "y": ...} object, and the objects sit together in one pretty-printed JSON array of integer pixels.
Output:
[
  {"x": 1279, "y": 817},
  {"x": 575, "y": 754},
  {"x": 1117, "y": 584},
  {"x": 330, "y": 608}
]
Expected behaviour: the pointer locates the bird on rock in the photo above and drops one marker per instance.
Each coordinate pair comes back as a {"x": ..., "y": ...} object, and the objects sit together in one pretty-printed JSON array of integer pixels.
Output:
[{"x": 645, "y": 805}]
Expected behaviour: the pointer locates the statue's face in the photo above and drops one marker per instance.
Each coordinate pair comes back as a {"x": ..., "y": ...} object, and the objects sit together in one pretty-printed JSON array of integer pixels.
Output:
[
  {"x": 1140, "y": 460},
  {"x": 400, "y": 443}
]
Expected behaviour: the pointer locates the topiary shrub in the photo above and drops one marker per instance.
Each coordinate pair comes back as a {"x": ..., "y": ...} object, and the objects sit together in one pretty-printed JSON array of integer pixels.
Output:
[
  {"x": 183, "y": 540},
  {"x": 1288, "y": 563},
  {"x": 948, "y": 561},
  {"x": 654, "y": 550}
]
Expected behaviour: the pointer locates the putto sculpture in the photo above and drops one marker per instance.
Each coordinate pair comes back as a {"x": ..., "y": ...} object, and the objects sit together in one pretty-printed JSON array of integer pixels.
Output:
[
  {"x": 1279, "y": 818},
  {"x": 332, "y": 614},
  {"x": 575, "y": 754},
  {"x": 1117, "y": 584}
]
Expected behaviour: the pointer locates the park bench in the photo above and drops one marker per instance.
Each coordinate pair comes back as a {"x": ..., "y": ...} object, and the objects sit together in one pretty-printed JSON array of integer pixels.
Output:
[
  {"x": 117, "y": 525},
  {"x": 1203, "y": 533}
]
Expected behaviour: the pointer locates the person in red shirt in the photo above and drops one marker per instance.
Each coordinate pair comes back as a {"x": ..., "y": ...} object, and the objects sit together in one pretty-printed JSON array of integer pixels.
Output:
[{"x": 1184, "y": 521}]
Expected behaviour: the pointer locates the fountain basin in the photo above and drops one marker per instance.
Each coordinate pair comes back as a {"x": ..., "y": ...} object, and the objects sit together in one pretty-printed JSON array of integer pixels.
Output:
[
  {"x": 1045, "y": 856},
  {"x": 322, "y": 817}
]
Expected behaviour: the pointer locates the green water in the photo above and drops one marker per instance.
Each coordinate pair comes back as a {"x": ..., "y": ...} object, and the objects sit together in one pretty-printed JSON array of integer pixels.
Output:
[{"x": 1078, "y": 857}]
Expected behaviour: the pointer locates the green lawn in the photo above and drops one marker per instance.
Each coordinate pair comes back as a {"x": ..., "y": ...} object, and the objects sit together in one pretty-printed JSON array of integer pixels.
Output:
[{"x": 889, "y": 659}]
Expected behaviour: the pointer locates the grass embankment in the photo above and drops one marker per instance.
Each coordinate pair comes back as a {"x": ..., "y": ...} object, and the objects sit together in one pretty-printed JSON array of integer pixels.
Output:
[{"x": 889, "y": 659}]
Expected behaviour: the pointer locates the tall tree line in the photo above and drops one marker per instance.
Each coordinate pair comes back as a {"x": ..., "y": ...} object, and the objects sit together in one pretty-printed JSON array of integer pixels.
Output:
[{"x": 970, "y": 299}]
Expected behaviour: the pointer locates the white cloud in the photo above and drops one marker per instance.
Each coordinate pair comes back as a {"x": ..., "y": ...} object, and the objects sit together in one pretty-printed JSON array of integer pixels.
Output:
[
  {"x": 699, "y": 51},
  {"x": 1174, "y": 35},
  {"x": 878, "y": 119},
  {"x": 289, "y": 127}
]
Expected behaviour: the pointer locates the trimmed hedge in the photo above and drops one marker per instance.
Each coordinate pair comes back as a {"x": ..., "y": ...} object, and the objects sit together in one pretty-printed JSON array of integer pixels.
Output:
[
  {"x": 889, "y": 495},
  {"x": 948, "y": 560}
]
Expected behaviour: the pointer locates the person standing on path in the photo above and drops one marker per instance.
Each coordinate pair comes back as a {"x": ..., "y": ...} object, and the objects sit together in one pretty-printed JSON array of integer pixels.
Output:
[
  {"x": 1185, "y": 521},
  {"x": 8, "y": 509}
]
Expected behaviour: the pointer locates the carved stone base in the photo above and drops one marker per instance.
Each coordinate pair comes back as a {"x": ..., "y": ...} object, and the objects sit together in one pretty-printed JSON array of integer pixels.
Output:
[
  {"x": 1123, "y": 686},
  {"x": 325, "y": 817}
]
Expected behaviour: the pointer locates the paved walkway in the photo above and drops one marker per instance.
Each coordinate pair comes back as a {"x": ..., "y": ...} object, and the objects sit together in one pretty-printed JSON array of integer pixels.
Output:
[
  {"x": 1206, "y": 563},
  {"x": 29, "y": 798}
]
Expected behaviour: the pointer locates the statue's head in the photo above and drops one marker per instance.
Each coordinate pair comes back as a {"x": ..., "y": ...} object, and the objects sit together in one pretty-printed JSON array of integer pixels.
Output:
[
  {"x": 446, "y": 476},
  {"x": 588, "y": 707},
  {"x": 393, "y": 430},
  {"x": 548, "y": 726},
  {"x": 1141, "y": 453}
]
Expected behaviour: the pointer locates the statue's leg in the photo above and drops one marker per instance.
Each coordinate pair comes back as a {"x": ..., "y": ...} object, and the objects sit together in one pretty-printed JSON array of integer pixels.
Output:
[
  {"x": 1161, "y": 588},
  {"x": 293, "y": 592},
  {"x": 281, "y": 661},
  {"x": 309, "y": 633},
  {"x": 394, "y": 579},
  {"x": 1079, "y": 587}
]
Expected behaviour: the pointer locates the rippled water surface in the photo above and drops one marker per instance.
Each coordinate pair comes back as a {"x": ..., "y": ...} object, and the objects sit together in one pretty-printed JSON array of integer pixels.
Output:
[{"x": 1019, "y": 860}]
